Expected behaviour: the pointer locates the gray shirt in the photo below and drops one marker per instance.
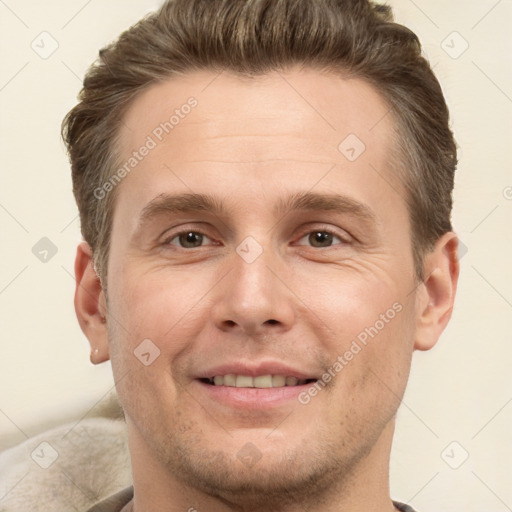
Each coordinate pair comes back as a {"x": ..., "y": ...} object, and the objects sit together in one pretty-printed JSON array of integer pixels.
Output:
[{"x": 119, "y": 501}]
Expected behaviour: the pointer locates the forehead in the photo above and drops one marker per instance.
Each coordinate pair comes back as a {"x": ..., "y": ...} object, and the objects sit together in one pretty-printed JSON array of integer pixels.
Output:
[{"x": 300, "y": 115}]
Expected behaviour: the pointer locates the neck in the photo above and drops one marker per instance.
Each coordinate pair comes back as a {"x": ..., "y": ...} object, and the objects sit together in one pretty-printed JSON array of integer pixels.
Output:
[{"x": 365, "y": 487}]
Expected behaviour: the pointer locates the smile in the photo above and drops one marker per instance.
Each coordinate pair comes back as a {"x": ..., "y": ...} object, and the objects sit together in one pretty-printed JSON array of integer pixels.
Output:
[{"x": 261, "y": 381}]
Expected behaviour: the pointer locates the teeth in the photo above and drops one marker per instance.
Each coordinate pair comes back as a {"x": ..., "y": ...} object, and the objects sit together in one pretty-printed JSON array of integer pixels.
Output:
[
  {"x": 244, "y": 381},
  {"x": 278, "y": 381},
  {"x": 228, "y": 380},
  {"x": 262, "y": 381},
  {"x": 291, "y": 381}
]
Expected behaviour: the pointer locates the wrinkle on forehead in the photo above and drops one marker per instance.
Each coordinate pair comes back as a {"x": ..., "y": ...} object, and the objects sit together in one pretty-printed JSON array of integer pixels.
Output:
[{"x": 278, "y": 116}]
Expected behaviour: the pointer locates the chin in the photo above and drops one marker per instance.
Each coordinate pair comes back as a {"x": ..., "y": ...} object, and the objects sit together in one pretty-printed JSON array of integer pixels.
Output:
[{"x": 247, "y": 478}]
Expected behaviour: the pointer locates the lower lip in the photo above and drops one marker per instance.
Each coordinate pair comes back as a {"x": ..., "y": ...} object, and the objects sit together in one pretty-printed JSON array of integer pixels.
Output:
[{"x": 252, "y": 398}]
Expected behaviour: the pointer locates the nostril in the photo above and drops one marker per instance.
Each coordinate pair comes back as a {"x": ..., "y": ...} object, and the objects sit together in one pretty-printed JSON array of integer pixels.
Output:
[{"x": 271, "y": 321}]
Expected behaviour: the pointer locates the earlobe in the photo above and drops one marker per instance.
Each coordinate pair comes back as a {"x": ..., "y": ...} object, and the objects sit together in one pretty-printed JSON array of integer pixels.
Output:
[
  {"x": 436, "y": 295},
  {"x": 90, "y": 304}
]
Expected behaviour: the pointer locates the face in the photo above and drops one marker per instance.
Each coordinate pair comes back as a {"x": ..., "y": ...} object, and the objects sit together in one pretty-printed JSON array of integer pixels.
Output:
[{"x": 258, "y": 242}]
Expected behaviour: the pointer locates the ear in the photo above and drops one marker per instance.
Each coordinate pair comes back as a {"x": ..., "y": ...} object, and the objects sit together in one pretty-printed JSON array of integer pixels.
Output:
[
  {"x": 435, "y": 296},
  {"x": 90, "y": 304}
]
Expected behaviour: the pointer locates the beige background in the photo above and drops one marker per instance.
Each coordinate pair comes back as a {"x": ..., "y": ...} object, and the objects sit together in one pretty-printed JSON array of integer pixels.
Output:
[{"x": 460, "y": 392}]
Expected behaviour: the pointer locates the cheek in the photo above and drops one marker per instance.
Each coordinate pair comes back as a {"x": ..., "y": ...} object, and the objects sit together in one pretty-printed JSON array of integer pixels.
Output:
[
  {"x": 145, "y": 338},
  {"x": 353, "y": 298},
  {"x": 158, "y": 320},
  {"x": 159, "y": 305},
  {"x": 380, "y": 368},
  {"x": 371, "y": 334}
]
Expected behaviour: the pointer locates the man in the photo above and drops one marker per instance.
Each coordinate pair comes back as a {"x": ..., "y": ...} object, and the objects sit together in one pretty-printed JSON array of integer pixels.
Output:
[{"x": 265, "y": 195}]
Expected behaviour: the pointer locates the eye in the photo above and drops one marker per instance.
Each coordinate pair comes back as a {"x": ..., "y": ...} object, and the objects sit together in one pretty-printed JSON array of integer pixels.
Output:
[
  {"x": 188, "y": 239},
  {"x": 320, "y": 238}
]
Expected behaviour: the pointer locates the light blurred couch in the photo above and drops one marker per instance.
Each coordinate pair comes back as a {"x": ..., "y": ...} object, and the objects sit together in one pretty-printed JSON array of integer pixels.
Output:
[{"x": 67, "y": 468}]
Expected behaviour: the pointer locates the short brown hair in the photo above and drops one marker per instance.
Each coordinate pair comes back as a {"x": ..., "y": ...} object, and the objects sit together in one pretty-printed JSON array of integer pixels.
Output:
[{"x": 254, "y": 37}]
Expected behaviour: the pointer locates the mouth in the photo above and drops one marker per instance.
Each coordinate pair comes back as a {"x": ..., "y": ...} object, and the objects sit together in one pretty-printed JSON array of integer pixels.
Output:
[
  {"x": 254, "y": 385},
  {"x": 260, "y": 381},
  {"x": 248, "y": 393}
]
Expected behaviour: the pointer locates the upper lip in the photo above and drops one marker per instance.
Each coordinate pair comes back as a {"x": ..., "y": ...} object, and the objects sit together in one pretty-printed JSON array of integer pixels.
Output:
[{"x": 255, "y": 369}]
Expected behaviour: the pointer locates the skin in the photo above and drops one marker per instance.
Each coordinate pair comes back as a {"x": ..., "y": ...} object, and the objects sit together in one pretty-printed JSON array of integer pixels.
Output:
[{"x": 251, "y": 143}]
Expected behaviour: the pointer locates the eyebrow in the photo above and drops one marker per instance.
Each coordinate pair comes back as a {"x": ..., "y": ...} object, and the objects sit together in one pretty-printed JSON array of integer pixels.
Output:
[
  {"x": 180, "y": 203},
  {"x": 312, "y": 201},
  {"x": 325, "y": 202}
]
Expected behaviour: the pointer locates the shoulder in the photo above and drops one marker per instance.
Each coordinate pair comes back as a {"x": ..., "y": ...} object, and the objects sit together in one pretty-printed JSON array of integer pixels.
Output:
[
  {"x": 115, "y": 503},
  {"x": 402, "y": 507}
]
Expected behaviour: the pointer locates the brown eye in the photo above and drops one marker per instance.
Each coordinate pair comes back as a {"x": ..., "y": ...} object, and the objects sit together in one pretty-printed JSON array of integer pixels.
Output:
[
  {"x": 320, "y": 238},
  {"x": 188, "y": 239}
]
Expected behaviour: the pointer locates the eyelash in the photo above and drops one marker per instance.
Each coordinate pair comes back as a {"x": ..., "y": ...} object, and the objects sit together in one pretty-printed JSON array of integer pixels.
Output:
[{"x": 168, "y": 240}]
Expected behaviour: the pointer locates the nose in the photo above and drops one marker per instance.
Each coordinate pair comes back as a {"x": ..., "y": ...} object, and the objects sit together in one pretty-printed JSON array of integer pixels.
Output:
[{"x": 253, "y": 299}]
